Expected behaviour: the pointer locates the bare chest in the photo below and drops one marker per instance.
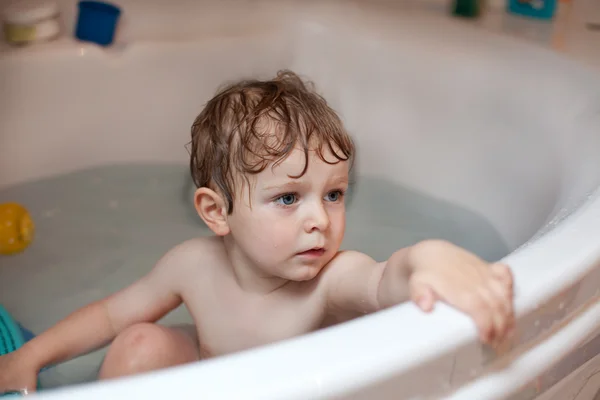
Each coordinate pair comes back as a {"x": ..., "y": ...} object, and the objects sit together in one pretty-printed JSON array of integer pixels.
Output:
[{"x": 228, "y": 320}]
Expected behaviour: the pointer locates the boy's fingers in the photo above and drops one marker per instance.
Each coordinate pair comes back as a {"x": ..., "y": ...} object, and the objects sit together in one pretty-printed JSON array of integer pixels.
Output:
[
  {"x": 489, "y": 314},
  {"x": 423, "y": 297},
  {"x": 485, "y": 326},
  {"x": 502, "y": 296},
  {"x": 501, "y": 308},
  {"x": 503, "y": 273}
]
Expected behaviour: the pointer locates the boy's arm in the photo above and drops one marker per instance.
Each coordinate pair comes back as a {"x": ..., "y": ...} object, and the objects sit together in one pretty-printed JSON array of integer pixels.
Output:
[
  {"x": 357, "y": 284},
  {"x": 424, "y": 273},
  {"x": 96, "y": 324}
]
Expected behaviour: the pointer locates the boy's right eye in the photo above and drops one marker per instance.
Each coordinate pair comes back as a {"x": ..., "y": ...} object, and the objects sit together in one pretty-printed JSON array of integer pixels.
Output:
[{"x": 287, "y": 199}]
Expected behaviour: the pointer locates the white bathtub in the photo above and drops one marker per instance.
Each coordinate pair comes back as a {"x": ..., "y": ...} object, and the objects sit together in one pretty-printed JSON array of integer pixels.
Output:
[{"x": 502, "y": 129}]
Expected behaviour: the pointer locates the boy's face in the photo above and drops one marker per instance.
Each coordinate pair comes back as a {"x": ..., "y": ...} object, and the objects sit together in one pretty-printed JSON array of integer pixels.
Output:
[{"x": 292, "y": 227}]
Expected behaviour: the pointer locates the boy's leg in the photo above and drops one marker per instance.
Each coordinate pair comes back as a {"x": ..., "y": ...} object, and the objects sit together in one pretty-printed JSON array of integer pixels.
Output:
[{"x": 146, "y": 347}]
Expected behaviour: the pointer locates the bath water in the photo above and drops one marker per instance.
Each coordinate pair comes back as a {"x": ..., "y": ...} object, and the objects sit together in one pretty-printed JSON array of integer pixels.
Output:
[{"x": 99, "y": 229}]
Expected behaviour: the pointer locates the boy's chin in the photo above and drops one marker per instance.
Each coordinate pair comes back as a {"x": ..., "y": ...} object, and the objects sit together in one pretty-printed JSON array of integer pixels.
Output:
[{"x": 304, "y": 272}]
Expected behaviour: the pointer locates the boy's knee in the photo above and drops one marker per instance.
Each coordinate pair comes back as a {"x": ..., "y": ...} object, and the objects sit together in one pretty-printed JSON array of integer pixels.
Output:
[
  {"x": 141, "y": 340},
  {"x": 139, "y": 348}
]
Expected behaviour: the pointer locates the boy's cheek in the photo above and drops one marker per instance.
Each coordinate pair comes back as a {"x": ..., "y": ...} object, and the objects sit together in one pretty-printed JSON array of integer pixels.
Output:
[
  {"x": 280, "y": 235},
  {"x": 276, "y": 229},
  {"x": 338, "y": 220},
  {"x": 279, "y": 232}
]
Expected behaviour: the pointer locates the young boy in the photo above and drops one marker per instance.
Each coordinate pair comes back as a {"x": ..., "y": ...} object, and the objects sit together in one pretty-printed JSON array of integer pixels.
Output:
[{"x": 271, "y": 162}]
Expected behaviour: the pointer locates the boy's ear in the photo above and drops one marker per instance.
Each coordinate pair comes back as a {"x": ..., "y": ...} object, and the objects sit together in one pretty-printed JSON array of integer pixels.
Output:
[{"x": 212, "y": 209}]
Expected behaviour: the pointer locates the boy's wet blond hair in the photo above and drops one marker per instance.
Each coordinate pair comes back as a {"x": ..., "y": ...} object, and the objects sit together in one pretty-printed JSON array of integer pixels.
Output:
[{"x": 251, "y": 124}]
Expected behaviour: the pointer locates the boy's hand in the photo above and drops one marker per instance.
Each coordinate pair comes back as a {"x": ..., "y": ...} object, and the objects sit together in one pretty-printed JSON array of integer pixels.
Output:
[
  {"x": 16, "y": 372},
  {"x": 442, "y": 271}
]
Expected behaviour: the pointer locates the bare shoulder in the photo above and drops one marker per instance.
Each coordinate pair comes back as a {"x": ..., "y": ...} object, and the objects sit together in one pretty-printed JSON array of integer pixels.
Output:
[
  {"x": 351, "y": 257},
  {"x": 345, "y": 261},
  {"x": 191, "y": 253}
]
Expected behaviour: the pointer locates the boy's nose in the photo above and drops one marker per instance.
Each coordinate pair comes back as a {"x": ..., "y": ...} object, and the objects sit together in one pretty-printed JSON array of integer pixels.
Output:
[{"x": 317, "y": 218}]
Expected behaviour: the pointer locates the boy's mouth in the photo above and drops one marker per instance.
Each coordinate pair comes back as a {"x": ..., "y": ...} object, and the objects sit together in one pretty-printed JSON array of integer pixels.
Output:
[{"x": 314, "y": 252}]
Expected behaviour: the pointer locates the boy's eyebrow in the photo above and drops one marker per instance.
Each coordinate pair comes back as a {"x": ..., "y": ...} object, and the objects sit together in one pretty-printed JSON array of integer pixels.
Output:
[
  {"x": 342, "y": 180},
  {"x": 282, "y": 185}
]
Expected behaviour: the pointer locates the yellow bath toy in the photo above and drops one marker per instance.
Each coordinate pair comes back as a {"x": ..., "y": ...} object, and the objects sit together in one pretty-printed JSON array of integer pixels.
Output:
[{"x": 16, "y": 228}]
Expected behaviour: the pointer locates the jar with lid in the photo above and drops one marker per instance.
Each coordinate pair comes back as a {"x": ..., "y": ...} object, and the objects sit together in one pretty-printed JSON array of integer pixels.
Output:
[{"x": 30, "y": 21}]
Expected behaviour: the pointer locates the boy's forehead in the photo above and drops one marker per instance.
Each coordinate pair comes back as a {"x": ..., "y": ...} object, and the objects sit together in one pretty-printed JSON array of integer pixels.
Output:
[{"x": 295, "y": 163}]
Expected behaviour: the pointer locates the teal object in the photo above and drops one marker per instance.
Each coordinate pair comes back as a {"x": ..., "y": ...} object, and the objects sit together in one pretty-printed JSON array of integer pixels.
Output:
[
  {"x": 540, "y": 9},
  {"x": 12, "y": 336}
]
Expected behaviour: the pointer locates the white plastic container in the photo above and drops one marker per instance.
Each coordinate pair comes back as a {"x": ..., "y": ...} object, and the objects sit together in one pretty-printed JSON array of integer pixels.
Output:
[{"x": 30, "y": 21}]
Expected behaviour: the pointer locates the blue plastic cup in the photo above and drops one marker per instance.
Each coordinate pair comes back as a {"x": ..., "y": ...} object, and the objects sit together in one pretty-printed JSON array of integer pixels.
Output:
[{"x": 97, "y": 22}]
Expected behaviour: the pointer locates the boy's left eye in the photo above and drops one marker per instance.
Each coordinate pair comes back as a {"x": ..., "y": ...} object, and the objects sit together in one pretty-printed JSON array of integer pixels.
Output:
[{"x": 333, "y": 196}]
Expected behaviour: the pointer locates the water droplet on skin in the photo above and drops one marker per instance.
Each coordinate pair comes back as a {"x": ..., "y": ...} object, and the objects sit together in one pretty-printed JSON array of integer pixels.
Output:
[
  {"x": 561, "y": 306},
  {"x": 537, "y": 322}
]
